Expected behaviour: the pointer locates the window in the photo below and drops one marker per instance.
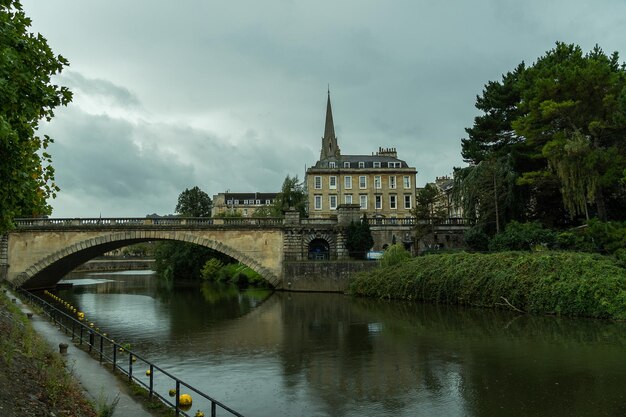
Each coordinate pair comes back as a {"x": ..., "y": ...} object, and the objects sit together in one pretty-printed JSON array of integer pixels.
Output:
[
  {"x": 236, "y": 202},
  {"x": 332, "y": 182},
  {"x": 378, "y": 202},
  {"x": 332, "y": 165},
  {"x": 346, "y": 164},
  {"x": 392, "y": 202},
  {"x": 267, "y": 202},
  {"x": 318, "y": 202},
  {"x": 377, "y": 182},
  {"x": 361, "y": 164},
  {"x": 393, "y": 164},
  {"x": 229, "y": 202},
  {"x": 362, "y": 182},
  {"x": 332, "y": 202},
  {"x": 407, "y": 201},
  {"x": 376, "y": 164},
  {"x": 407, "y": 182},
  {"x": 318, "y": 183},
  {"x": 258, "y": 201},
  {"x": 363, "y": 201},
  {"x": 347, "y": 199},
  {"x": 245, "y": 202},
  {"x": 392, "y": 182},
  {"x": 347, "y": 182}
]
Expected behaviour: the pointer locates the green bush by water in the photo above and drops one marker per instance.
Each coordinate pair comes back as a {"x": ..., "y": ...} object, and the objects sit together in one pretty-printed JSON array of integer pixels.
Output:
[{"x": 570, "y": 284}]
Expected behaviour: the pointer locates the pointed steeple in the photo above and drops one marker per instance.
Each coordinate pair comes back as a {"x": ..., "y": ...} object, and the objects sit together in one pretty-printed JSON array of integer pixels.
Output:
[{"x": 330, "y": 148}]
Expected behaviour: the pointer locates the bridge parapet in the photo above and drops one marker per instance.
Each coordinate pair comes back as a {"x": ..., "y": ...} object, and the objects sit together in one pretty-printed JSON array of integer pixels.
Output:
[{"x": 133, "y": 222}]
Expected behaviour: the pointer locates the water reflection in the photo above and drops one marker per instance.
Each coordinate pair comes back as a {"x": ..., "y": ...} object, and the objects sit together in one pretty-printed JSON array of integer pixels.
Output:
[{"x": 328, "y": 354}]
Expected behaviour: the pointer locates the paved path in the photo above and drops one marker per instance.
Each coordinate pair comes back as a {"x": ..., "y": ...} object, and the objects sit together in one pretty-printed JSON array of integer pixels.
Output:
[{"x": 99, "y": 383}]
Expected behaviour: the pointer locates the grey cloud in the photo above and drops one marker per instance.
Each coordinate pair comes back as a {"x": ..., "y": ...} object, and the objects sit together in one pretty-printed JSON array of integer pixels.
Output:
[{"x": 117, "y": 95}]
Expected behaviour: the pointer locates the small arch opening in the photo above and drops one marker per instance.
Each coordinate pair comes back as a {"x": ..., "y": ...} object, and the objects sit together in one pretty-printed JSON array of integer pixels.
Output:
[{"x": 319, "y": 250}]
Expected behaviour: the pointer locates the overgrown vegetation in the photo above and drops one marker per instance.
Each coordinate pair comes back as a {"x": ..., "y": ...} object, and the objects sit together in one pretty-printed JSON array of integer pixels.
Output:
[
  {"x": 35, "y": 371},
  {"x": 605, "y": 238},
  {"x": 562, "y": 283},
  {"x": 239, "y": 274}
]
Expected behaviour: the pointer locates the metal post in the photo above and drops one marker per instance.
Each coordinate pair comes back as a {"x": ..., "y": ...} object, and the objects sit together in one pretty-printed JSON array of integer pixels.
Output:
[
  {"x": 81, "y": 335},
  {"x": 130, "y": 367},
  {"x": 213, "y": 409},
  {"x": 177, "y": 397},
  {"x": 73, "y": 333},
  {"x": 91, "y": 340},
  {"x": 151, "y": 380},
  {"x": 101, "y": 351},
  {"x": 114, "y": 356}
]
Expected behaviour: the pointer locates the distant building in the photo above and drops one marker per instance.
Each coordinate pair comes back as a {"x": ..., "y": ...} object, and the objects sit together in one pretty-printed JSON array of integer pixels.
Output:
[
  {"x": 445, "y": 202},
  {"x": 382, "y": 184},
  {"x": 243, "y": 204}
]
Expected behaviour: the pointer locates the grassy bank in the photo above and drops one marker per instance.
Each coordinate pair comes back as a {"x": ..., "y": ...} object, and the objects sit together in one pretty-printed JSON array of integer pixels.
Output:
[
  {"x": 564, "y": 283},
  {"x": 33, "y": 379}
]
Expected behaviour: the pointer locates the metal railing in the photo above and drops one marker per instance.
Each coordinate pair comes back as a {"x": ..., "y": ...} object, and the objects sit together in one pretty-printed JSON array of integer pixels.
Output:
[{"x": 108, "y": 350}]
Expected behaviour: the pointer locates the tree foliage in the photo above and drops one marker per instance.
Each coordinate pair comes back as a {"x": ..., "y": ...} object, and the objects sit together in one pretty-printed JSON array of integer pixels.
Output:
[
  {"x": 359, "y": 238},
  {"x": 291, "y": 195},
  {"x": 558, "y": 128},
  {"x": 194, "y": 203},
  {"x": 27, "y": 96}
]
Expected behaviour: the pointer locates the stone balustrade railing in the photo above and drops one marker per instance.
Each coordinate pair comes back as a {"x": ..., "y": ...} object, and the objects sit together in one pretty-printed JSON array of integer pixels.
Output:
[{"x": 147, "y": 222}]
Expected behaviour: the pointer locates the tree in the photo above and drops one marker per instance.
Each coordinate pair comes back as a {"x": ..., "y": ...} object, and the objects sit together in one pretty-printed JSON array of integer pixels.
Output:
[
  {"x": 291, "y": 195},
  {"x": 486, "y": 191},
  {"x": 177, "y": 261},
  {"x": 194, "y": 203},
  {"x": 560, "y": 124},
  {"x": 428, "y": 210},
  {"x": 26, "y": 96},
  {"x": 575, "y": 117},
  {"x": 359, "y": 238}
]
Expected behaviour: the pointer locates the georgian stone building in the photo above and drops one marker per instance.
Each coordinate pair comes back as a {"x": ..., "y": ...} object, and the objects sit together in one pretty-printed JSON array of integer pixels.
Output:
[
  {"x": 381, "y": 184},
  {"x": 241, "y": 204}
]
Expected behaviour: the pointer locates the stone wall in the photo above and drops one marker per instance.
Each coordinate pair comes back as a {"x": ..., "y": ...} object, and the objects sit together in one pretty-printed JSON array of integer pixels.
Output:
[{"x": 322, "y": 276}]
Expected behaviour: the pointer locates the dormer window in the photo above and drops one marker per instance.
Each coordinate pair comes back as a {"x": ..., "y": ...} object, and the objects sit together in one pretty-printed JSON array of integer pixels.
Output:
[
  {"x": 376, "y": 164},
  {"x": 346, "y": 164},
  {"x": 361, "y": 164},
  {"x": 332, "y": 165}
]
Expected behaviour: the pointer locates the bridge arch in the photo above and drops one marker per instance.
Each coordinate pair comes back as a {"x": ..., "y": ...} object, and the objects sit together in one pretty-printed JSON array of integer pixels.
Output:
[{"x": 49, "y": 270}]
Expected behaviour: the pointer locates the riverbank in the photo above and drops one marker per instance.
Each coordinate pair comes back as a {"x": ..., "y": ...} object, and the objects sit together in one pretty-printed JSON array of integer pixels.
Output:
[
  {"x": 561, "y": 283},
  {"x": 33, "y": 378}
]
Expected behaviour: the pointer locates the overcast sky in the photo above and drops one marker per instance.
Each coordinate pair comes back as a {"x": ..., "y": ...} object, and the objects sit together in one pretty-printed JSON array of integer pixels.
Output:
[{"x": 231, "y": 95}]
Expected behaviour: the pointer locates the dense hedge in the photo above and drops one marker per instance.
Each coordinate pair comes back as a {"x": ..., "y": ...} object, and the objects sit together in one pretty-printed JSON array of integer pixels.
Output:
[{"x": 565, "y": 283}]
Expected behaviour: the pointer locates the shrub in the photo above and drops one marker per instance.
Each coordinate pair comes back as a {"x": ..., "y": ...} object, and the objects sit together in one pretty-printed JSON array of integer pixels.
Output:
[
  {"x": 570, "y": 284},
  {"x": 394, "y": 255},
  {"x": 522, "y": 236},
  {"x": 476, "y": 239},
  {"x": 211, "y": 268}
]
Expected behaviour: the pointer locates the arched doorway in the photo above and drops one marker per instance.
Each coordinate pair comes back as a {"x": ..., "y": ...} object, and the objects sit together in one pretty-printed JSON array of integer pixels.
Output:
[{"x": 319, "y": 250}]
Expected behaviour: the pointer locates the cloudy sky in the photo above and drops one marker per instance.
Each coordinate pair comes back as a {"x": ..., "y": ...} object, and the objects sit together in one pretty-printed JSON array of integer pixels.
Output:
[{"x": 231, "y": 95}]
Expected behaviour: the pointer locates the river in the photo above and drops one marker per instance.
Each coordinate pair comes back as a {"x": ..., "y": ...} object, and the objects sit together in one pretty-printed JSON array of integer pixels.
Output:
[{"x": 313, "y": 354}]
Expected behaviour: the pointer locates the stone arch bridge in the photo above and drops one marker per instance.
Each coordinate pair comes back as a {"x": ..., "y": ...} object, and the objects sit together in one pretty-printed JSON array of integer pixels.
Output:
[{"x": 39, "y": 252}]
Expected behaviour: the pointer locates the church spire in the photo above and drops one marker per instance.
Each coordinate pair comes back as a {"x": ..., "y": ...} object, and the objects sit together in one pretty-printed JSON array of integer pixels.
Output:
[{"x": 329, "y": 141}]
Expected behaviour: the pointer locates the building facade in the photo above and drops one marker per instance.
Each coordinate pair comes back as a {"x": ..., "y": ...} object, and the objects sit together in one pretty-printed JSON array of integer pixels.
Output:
[
  {"x": 381, "y": 184},
  {"x": 240, "y": 204}
]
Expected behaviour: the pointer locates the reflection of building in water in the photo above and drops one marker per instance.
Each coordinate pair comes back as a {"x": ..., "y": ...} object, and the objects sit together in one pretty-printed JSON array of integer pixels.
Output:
[{"x": 343, "y": 353}]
